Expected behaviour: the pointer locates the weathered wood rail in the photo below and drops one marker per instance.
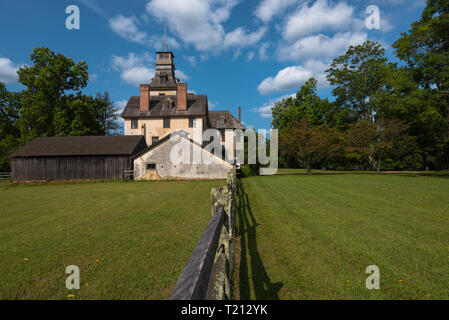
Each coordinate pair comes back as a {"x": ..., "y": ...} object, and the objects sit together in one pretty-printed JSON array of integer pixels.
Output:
[
  {"x": 5, "y": 176},
  {"x": 208, "y": 273}
]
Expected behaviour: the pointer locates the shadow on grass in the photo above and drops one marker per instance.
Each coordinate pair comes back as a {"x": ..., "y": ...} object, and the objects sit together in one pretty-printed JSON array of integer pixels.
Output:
[{"x": 264, "y": 289}]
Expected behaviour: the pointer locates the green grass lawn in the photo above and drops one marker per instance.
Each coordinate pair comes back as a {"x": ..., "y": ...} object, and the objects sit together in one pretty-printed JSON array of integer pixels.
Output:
[
  {"x": 131, "y": 240},
  {"x": 312, "y": 237}
]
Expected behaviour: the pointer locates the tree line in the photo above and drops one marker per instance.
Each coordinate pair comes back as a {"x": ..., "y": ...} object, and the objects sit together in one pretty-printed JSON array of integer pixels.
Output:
[
  {"x": 386, "y": 116},
  {"x": 52, "y": 104}
]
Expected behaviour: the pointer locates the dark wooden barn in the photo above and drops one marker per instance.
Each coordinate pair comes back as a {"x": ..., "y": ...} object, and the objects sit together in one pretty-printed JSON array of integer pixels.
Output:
[{"x": 75, "y": 158}]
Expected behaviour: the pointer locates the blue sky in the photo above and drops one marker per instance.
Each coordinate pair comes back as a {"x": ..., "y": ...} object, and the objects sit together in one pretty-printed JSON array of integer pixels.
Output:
[{"x": 238, "y": 52}]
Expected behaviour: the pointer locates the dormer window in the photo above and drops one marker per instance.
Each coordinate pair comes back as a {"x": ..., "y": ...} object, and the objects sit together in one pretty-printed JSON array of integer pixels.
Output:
[
  {"x": 222, "y": 121},
  {"x": 168, "y": 103}
]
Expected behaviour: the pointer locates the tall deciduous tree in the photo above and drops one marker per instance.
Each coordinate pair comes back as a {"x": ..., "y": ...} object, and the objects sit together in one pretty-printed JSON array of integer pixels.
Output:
[
  {"x": 357, "y": 76},
  {"x": 306, "y": 103},
  {"x": 299, "y": 142},
  {"x": 109, "y": 113},
  {"x": 365, "y": 140},
  {"x": 52, "y": 103},
  {"x": 9, "y": 134}
]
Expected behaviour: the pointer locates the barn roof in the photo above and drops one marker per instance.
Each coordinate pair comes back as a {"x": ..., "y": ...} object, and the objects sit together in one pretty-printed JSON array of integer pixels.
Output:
[
  {"x": 82, "y": 146},
  {"x": 196, "y": 106}
]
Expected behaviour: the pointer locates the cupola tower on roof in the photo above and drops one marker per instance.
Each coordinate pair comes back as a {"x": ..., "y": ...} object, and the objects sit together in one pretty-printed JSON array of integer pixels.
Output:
[{"x": 165, "y": 77}]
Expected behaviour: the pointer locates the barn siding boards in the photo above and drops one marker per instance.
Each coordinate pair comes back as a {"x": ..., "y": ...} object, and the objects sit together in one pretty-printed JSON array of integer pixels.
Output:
[
  {"x": 75, "y": 158},
  {"x": 69, "y": 168}
]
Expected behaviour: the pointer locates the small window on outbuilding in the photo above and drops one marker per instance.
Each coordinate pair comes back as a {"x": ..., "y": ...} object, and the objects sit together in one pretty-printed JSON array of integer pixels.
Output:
[
  {"x": 151, "y": 166},
  {"x": 134, "y": 124},
  {"x": 154, "y": 140}
]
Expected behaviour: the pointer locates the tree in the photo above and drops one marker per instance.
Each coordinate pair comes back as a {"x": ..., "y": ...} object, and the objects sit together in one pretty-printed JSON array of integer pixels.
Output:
[
  {"x": 425, "y": 48},
  {"x": 403, "y": 99},
  {"x": 109, "y": 113},
  {"x": 45, "y": 98},
  {"x": 299, "y": 142},
  {"x": 372, "y": 142},
  {"x": 306, "y": 103},
  {"x": 328, "y": 143},
  {"x": 357, "y": 76},
  {"x": 9, "y": 134}
]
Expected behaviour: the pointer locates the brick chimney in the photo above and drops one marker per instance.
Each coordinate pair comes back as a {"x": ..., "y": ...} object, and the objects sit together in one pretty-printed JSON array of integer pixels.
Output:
[
  {"x": 144, "y": 97},
  {"x": 240, "y": 114},
  {"x": 182, "y": 96}
]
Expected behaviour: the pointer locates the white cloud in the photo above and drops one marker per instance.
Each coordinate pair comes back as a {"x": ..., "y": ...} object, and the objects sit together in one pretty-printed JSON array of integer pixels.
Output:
[
  {"x": 250, "y": 56},
  {"x": 200, "y": 23},
  {"x": 293, "y": 77},
  {"x": 95, "y": 7},
  {"x": 319, "y": 17},
  {"x": 320, "y": 46},
  {"x": 265, "y": 110},
  {"x": 127, "y": 28},
  {"x": 270, "y": 8},
  {"x": 8, "y": 71},
  {"x": 194, "y": 21},
  {"x": 240, "y": 38},
  {"x": 191, "y": 60},
  {"x": 135, "y": 69},
  {"x": 263, "y": 54}
]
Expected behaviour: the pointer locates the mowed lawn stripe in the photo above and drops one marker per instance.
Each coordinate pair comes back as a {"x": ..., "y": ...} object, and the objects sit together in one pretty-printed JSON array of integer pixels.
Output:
[
  {"x": 131, "y": 240},
  {"x": 317, "y": 234}
]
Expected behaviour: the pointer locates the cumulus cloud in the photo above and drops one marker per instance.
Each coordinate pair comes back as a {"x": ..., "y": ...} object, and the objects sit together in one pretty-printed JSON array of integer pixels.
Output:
[
  {"x": 129, "y": 29},
  {"x": 134, "y": 69},
  {"x": 293, "y": 77},
  {"x": 8, "y": 71},
  {"x": 265, "y": 110},
  {"x": 318, "y": 18},
  {"x": 240, "y": 38},
  {"x": 200, "y": 23},
  {"x": 250, "y": 56},
  {"x": 311, "y": 37},
  {"x": 271, "y": 8},
  {"x": 320, "y": 46}
]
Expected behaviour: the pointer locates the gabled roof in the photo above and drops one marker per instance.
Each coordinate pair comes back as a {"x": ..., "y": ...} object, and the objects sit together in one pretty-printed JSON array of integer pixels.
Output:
[
  {"x": 180, "y": 133},
  {"x": 196, "y": 106},
  {"x": 82, "y": 146},
  {"x": 230, "y": 122}
]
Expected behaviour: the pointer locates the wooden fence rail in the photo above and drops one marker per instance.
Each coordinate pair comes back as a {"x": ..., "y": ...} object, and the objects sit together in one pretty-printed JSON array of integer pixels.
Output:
[
  {"x": 128, "y": 174},
  {"x": 208, "y": 273},
  {"x": 5, "y": 176},
  {"x": 194, "y": 281}
]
